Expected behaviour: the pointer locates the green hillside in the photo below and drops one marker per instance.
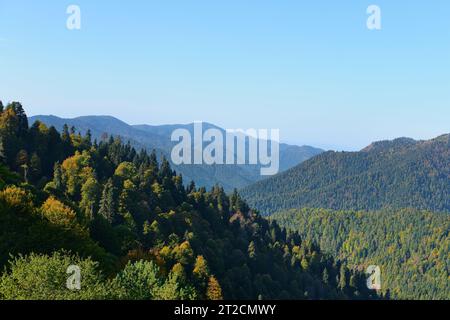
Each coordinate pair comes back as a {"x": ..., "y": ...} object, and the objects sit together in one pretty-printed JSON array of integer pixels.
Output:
[
  {"x": 399, "y": 174},
  {"x": 137, "y": 231},
  {"x": 412, "y": 247}
]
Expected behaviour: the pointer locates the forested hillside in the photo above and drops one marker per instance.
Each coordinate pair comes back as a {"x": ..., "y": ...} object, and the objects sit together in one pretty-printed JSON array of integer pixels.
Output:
[
  {"x": 399, "y": 174},
  {"x": 411, "y": 247},
  {"x": 158, "y": 138},
  {"x": 135, "y": 229}
]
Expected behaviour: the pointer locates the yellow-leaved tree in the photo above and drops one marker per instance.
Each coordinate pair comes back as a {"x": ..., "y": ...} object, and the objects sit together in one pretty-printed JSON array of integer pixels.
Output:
[
  {"x": 214, "y": 291},
  {"x": 58, "y": 213}
]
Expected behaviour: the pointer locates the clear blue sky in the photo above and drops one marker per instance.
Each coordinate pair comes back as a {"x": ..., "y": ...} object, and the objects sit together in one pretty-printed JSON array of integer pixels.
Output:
[{"x": 310, "y": 68}]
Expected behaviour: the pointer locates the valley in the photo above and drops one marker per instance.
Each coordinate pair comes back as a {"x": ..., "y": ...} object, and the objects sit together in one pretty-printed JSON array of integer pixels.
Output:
[{"x": 158, "y": 138}]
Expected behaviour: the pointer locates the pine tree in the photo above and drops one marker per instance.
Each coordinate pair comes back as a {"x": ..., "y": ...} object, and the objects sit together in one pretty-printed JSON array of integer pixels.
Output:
[
  {"x": 191, "y": 187},
  {"x": 67, "y": 146},
  {"x": 107, "y": 202},
  {"x": 35, "y": 167},
  {"x": 343, "y": 278},
  {"x": 88, "y": 138},
  {"x": 165, "y": 171},
  {"x": 22, "y": 118},
  {"x": 58, "y": 177},
  {"x": 13, "y": 133},
  {"x": 153, "y": 160}
]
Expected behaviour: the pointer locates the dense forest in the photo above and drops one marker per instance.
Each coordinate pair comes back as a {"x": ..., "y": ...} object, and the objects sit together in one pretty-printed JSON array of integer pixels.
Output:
[
  {"x": 412, "y": 247},
  {"x": 137, "y": 231},
  {"x": 402, "y": 173}
]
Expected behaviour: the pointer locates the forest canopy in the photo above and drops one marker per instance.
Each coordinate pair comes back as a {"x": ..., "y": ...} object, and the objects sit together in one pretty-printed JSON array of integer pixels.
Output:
[
  {"x": 410, "y": 246},
  {"x": 137, "y": 230}
]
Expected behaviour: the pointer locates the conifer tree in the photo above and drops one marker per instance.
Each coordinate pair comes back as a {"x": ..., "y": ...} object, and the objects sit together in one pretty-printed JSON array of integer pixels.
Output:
[
  {"x": 107, "y": 202},
  {"x": 35, "y": 167},
  {"x": 343, "y": 278},
  {"x": 58, "y": 178}
]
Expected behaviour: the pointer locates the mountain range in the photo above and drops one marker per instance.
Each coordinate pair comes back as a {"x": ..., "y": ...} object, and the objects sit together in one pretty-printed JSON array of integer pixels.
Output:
[
  {"x": 402, "y": 173},
  {"x": 158, "y": 138},
  {"x": 386, "y": 205}
]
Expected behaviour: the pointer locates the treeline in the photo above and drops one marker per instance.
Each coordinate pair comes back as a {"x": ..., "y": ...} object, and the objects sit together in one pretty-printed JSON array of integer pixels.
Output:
[
  {"x": 397, "y": 174},
  {"x": 411, "y": 246},
  {"x": 136, "y": 231}
]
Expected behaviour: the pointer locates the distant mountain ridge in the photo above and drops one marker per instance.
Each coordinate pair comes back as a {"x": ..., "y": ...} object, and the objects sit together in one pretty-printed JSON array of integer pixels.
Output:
[
  {"x": 157, "y": 137},
  {"x": 401, "y": 173}
]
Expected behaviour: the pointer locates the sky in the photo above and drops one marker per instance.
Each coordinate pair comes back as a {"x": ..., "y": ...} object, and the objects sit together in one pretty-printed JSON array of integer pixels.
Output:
[{"x": 309, "y": 68}]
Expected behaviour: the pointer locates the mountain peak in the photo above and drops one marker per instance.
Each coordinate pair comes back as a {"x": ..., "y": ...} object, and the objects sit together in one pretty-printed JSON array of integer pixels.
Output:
[{"x": 385, "y": 145}]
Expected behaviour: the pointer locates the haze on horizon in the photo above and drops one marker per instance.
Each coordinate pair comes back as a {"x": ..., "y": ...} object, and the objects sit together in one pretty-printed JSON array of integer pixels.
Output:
[{"x": 313, "y": 70}]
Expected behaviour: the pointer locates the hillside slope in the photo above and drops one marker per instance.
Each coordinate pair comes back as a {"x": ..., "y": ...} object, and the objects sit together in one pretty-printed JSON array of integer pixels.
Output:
[
  {"x": 400, "y": 173},
  {"x": 410, "y": 246}
]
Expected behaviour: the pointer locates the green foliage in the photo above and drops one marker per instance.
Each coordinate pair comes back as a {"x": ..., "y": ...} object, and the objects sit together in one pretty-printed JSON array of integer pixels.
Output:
[
  {"x": 410, "y": 246},
  {"x": 156, "y": 238},
  {"x": 25, "y": 229},
  {"x": 90, "y": 192},
  {"x": 7, "y": 177},
  {"x": 40, "y": 277},
  {"x": 173, "y": 289},
  {"x": 126, "y": 171},
  {"x": 139, "y": 281}
]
